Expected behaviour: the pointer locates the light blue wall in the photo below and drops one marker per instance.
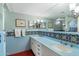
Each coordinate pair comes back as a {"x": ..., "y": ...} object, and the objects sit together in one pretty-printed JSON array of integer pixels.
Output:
[{"x": 14, "y": 45}]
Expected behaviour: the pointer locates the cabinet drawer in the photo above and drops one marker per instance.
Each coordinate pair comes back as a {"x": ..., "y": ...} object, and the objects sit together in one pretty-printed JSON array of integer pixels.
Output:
[
  {"x": 38, "y": 54},
  {"x": 38, "y": 49},
  {"x": 38, "y": 44}
]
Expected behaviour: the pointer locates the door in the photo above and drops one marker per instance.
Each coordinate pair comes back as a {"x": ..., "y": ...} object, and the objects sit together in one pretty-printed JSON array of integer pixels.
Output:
[{"x": 2, "y": 44}]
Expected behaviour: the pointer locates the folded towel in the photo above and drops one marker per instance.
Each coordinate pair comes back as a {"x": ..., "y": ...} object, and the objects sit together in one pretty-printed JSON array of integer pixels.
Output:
[
  {"x": 23, "y": 32},
  {"x": 17, "y": 32}
]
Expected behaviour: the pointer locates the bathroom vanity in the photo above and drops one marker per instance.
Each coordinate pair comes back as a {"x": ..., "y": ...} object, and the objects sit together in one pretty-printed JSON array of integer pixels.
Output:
[
  {"x": 46, "y": 46},
  {"x": 41, "y": 50}
]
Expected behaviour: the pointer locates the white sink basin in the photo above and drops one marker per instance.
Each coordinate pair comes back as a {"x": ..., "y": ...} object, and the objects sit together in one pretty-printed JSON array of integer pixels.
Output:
[{"x": 63, "y": 48}]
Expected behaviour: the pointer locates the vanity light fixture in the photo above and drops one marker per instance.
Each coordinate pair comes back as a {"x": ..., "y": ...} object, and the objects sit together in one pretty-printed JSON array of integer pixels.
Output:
[
  {"x": 74, "y": 8},
  {"x": 58, "y": 21},
  {"x": 35, "y": 21},
  {"x": 42, "y": 21},
  {"x": 77, "y": 9}
]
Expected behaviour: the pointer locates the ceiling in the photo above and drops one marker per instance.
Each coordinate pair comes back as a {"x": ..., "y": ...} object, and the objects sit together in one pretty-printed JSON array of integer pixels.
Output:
[{"x": 51, "y": 10}]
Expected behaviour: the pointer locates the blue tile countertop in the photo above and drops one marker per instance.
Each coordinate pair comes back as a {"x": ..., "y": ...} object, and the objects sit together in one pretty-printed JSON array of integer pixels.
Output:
[{"x": 56, "y": 46}]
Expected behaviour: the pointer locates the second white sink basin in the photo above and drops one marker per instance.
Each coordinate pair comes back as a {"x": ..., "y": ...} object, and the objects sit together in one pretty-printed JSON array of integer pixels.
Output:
[{"x": 63, "y": 48}]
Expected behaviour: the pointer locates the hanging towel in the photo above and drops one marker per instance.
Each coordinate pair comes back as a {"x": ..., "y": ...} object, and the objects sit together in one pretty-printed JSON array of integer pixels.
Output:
[
  {"x": 17, "y": 32},
  {"x": 23, "y": 32}
]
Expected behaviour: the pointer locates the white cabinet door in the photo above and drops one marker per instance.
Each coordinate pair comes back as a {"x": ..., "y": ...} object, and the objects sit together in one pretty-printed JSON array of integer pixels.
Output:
[
  {"x": 38, "y": 49},
  {"x": 33, "y": 46},
  {"x": 41, "y": 50}
]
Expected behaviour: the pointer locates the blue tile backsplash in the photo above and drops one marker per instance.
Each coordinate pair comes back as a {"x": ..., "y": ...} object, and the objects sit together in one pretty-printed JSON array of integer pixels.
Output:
[
  {"x": 69, "y": 37},
  {"x": 60, "y": 36}
]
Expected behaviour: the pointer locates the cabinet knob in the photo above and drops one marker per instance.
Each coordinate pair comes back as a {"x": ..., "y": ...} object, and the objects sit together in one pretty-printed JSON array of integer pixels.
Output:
[
  {"x": 38, "y": 49},
  {"x": 38, "y": 45}
]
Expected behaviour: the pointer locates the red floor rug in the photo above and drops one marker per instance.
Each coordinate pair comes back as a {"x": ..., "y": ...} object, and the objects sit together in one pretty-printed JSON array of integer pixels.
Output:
[{"x": 24, "y": 53}]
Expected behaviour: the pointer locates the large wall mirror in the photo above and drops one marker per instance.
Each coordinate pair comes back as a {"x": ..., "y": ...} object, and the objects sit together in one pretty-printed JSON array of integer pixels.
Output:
[
  {"x": 37, "y": 24},
  {"x": 69, "y": 24},
  {"x": 67, "y": 20},
  {"x": 61, "y": 17}
]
